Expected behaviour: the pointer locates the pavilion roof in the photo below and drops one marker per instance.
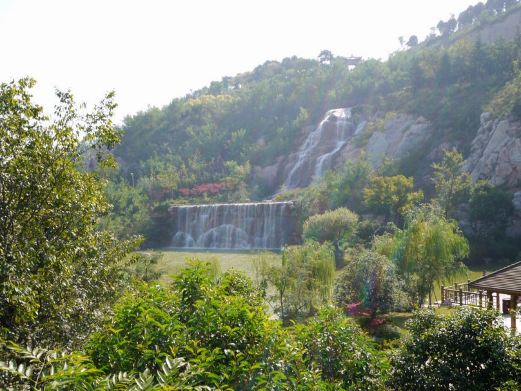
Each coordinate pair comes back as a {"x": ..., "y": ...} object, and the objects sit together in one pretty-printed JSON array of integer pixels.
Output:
[{"x": 506, "y": 280}]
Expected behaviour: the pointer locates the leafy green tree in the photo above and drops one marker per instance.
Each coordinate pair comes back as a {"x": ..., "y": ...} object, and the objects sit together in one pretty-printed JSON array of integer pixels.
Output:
[
  {"x": 140, "y": 333},
  {"x": 58, "y": 274},
  {"x": 507, "y": 102},
  {"x": 217, "y": 323},
  {"x": 451, "y": 184},
  {"x": 371, "y": 279},
  {"x": 336, "y": 226},
  {"x": 391, "y": 196},
  {"x": 345, "y": 355},
  {"x": 412, "y": 41},
  {"x": 490, "y": 210},
  {"x": 466, "y": 350},
  {"x": 429, "y": 249},
  {"x": 325, "y": 57},
  {"x": 303, "y": 282},
  {"x": 129, "y": 212},
  {"x": 344, "y": 187}
]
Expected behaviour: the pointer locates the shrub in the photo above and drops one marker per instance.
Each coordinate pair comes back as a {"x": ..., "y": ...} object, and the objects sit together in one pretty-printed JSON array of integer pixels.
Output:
[
  {"x": 368, "y": 278},
  {"x": 335, "y": 226},
  {"x": 344, "y": 354},
  {"x": 467, "y": 350}
]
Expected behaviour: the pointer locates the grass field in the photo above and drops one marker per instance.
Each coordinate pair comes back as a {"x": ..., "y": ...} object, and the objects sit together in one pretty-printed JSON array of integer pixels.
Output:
[{"x": 171, "y": 261}]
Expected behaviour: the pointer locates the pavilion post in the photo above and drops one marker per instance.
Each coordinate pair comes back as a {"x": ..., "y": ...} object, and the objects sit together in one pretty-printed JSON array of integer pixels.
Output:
[
  {"x": 490, "y": 300},
  {"x": 513, "y": 307},
  {"x": 498, "y": 303}
]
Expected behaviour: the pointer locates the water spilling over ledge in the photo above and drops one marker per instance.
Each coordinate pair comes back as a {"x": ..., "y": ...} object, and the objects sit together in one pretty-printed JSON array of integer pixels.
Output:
[
  {"x": 320, "y": 149},
  {"x": 255, "y": 225}
]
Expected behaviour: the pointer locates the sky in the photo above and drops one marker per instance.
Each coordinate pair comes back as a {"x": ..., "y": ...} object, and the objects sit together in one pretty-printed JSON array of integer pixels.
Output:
[{"x": 152, "y": 51}]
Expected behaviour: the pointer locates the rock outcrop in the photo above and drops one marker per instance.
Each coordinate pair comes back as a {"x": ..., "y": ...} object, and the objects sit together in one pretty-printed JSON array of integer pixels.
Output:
[
  {"x": 400, "y": 135},
  {"x": 496, "y": 152}
]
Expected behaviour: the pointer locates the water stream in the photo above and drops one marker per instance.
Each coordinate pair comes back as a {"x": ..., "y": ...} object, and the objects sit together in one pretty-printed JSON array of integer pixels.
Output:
[{"x": 319, "y": 150}]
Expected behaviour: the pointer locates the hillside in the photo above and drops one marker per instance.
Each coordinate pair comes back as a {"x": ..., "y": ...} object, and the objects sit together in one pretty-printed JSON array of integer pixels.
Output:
[
  {"x": 260, "y": 133},
  {"x": 312, "y": 225}
]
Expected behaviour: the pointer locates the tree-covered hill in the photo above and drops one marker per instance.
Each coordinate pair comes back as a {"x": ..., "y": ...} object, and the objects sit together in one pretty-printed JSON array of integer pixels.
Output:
[
  {"x": 210, "y": 145},
  {"x": 259, "y": 115}
]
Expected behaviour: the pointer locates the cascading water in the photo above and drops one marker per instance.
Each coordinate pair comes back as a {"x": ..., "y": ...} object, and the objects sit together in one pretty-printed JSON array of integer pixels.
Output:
[
  {"x": 321, "y": 147},
  {"x": 260, "y": 225}
]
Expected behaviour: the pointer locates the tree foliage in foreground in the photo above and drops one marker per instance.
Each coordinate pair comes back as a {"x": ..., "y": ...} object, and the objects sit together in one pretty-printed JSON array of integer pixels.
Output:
[
  {"x": 58, "y": 274},
  {"x": 467, "y": 350},
  {"x": 206, "y": 332}
]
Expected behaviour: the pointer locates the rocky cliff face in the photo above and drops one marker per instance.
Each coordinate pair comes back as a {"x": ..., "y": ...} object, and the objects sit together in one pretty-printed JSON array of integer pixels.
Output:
[
  {"x": 506, "y": 27},
  {"x": 395, "y": 137},
  {"x": 339, "y": 138},
  {"x": 496, "y": 153}
]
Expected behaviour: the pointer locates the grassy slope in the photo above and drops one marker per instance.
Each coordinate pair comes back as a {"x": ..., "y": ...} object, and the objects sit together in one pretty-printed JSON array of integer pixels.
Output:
[{"x": 171, "y": 261}]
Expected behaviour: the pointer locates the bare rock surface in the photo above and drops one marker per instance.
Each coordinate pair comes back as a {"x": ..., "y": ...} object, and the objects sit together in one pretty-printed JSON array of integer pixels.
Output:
[{"x": 496, "y": 152}]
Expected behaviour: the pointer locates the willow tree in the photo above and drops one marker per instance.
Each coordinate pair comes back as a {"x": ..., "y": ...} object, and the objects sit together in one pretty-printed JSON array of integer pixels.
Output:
[
  {"x": 303, "y": 281},
  {"x": 429, "y": 249}
]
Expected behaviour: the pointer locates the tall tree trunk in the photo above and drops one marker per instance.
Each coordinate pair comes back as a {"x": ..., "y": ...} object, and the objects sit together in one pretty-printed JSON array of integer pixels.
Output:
[{"x": 339, "y": 255}]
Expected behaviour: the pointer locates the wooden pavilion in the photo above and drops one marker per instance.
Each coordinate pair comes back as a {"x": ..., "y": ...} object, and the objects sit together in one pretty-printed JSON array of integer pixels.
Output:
[
  {"x": 506, "y": 281},
  {"x": 501, "y": 289}
]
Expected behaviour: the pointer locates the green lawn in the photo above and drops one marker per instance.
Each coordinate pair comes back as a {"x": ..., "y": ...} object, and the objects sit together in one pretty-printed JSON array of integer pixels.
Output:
[{"x": 171, "y": 261}]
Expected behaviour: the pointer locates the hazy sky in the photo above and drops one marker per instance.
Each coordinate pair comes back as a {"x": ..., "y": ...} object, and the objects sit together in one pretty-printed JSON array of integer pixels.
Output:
[{"x": 152, "y": 51}]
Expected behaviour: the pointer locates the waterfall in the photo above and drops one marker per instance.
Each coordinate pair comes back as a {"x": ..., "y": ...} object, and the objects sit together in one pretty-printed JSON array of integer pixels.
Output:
[
  {"x": 255, "y": 225},
  {"x": 318, "y": 152}
]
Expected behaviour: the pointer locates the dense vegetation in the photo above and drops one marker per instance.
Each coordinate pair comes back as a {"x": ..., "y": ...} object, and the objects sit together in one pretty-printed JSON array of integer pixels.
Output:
[
  {"x": 80, "y": 310},
  {"x": 67, "y": 285},
  {"x": 205, "y": 146}
]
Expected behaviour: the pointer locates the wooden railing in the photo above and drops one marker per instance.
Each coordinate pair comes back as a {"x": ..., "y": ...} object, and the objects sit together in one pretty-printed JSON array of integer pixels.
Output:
[{"x": 461, "y": 294}]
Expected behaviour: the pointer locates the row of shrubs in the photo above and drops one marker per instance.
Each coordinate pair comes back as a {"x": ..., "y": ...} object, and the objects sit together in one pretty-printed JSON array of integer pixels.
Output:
[{"x": 207, "y": 331}]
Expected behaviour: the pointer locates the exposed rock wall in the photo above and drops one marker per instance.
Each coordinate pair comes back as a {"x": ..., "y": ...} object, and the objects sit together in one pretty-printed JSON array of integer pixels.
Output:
[
  {"x": 400, "y": 135},
  {"x": 506, "y": 27},
  {"x": 496, "y": 152}
]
